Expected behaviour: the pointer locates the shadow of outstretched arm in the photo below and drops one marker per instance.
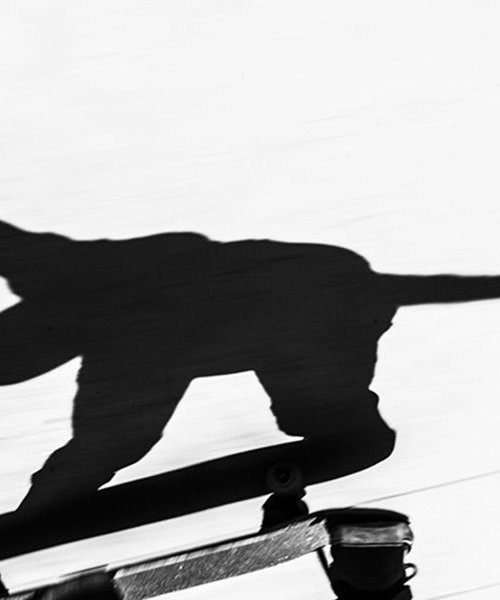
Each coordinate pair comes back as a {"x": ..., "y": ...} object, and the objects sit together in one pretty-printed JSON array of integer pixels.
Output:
[{"x": 407, "y": 290}]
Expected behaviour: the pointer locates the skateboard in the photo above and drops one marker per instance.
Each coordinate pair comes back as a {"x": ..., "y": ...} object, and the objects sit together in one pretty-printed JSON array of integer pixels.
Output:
[
  {"x": 367, "y": 548},
  {"x": 202, "y": 486}
]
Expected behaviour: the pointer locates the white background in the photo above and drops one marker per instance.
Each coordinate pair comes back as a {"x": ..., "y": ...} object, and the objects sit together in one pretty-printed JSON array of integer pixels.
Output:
[{"x": 372, "y": 125}]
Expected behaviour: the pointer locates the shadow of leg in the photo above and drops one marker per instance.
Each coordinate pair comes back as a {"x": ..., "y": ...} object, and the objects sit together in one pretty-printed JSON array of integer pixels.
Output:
[
  {"x": 114, "y": 426},
  {"x": 343, "y": 422}
]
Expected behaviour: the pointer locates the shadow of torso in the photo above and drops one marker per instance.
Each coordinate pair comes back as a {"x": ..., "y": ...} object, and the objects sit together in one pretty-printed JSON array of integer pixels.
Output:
[
  {"x": 202, "y": 308},
  {"x": 148, "y": 315}
]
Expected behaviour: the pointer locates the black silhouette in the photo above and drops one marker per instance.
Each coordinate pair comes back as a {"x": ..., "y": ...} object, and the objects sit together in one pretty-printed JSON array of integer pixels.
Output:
[{"x": 148, "y": 315}]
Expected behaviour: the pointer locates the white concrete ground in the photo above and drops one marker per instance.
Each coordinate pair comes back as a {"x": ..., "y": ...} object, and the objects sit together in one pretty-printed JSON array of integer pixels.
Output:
[{"x": 372, "y": 125}]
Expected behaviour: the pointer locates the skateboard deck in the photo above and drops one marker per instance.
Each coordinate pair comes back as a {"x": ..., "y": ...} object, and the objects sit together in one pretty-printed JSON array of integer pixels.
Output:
[
  {"x": 176, "y": 493},
  {"x": 218, "y": 561}
]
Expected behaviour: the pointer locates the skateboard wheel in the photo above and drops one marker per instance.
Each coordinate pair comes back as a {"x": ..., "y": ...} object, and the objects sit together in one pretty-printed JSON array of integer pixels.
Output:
[{"x": 284, "y": 478}]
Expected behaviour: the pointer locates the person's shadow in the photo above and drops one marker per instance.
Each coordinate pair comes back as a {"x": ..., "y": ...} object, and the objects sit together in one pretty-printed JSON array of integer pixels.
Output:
[{"x": 148, "y": 315}]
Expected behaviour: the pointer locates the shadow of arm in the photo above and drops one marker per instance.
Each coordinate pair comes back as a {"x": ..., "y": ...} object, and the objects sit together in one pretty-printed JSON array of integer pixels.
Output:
[{"x": 406, "y": 290}]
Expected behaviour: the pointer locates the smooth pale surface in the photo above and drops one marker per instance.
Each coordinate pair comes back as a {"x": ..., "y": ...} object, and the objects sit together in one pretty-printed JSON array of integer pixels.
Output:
[{"x": 372, "y": 125}]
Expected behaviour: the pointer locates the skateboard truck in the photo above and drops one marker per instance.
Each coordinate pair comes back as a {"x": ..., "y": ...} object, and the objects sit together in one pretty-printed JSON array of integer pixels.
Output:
[
  {"x": 367, "y": 546},
  {"x": 368, "y": 557}
]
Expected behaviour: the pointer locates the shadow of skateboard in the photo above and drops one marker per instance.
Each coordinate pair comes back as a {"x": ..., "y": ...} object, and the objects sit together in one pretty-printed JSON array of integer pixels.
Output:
[{"x": 177, "y": 493}]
